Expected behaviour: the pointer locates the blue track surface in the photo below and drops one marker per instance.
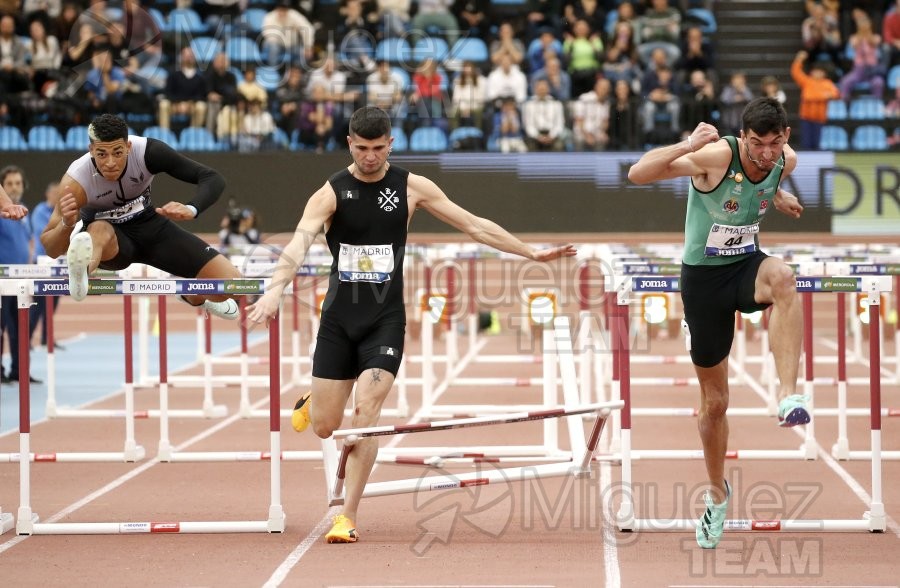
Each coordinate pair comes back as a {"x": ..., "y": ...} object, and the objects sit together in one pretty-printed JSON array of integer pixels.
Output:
[{"x": 93, "y": 367}]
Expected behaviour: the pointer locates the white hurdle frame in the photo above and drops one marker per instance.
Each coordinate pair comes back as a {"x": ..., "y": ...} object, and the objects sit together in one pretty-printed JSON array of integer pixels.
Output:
[
  {"x": 27, "y": 522},
  {"x": 874, "y": 520}
]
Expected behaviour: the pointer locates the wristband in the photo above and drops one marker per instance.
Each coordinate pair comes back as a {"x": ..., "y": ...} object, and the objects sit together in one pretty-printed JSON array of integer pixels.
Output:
[
  {"x": 63, "y": 223},
  {"x": 690, "y": 144},
  {"x": 193, "y": 209}
]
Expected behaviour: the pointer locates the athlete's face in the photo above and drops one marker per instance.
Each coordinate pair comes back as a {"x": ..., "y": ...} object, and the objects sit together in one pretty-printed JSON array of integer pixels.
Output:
[
  {"x": 370, "y": 155},
  {"x": 765, "y": 151},
  {"x": 110, "y": 157}
]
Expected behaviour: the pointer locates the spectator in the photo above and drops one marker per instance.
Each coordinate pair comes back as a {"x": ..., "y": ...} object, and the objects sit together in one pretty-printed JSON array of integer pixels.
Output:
[
  {"x": 507, "y": 44},
  {"x": 436, "y": 14},
  {"x": 890, "y": 31},
  {"x": 249, "y": 89},
  {"x": 507, "y": 80},
  {"x": 867, "y": 68},
  {"x": 393, "y": 15},
  {"x": 546, "y": 45},
  {"x": 337, "y": 91},
  {"x": 40, "y": 216},
  {"x": 508, "y": 127},
  {"x": 559, "y": 80},
  {"x": 289, "y": 97},
  {"x": 353, "y": 35},
  {"x": 696, "y": 54},
  {"x": 771, "y": 88},
  {"x": 221, "y": 97},
  {"x": 626, "y": 13},
  {"x": 588, "y": 10},
  {"x": 661, "y": 22},
  {"x": 697, "y": 102},
  {"x": 104, "y": 85},
  {"x": 544, "y": 120},
  {"x": 427, "y": 94},
  {"x": 892, "y": 108},
  {"x": 239, "y": 226},
  {"x": 218, "y": 13},
  {"x": 44, "y": 56},
  {"x": 543, "y": 16},
  {"x": 591, "y": 117},
  {"x": 469, "y": 97},
  {"x": 661, "y": 107},
  {"x": 16, "y": 244},
  {"x": 472, "y": 16},
  {"x": 286, "y": 32},
  {"x": 142, "y": 36},
  {"x": 621, "y": 59},
  {"x": 385, "y": 88},
  {"x": 63, "y": 25},
  {"x": 257, "y": 128},
  {"x": 185, "y": 93},
  {"x": 624, "y": 118},
  {"x": 815, "y": 92},
  {"x": 821, "y": 33},
  {"x": 82, "y": 46},
  {"x": 13, "y": 55},
  {"x": 734, "y": 97},
  {"x": 583, "y": 52},
  {"x": 317, "y": 119}
]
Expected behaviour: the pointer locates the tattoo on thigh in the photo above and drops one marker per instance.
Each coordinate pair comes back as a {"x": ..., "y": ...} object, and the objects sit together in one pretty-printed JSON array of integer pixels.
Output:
[{"x": 376, "y": 376}]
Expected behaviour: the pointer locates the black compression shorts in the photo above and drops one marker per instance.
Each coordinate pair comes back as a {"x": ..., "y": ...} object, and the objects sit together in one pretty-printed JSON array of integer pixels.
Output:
[
  {"x": 711, "y": 295},
  {"x": 345, "y": 348},
  {"x": 154, "y": 240}
]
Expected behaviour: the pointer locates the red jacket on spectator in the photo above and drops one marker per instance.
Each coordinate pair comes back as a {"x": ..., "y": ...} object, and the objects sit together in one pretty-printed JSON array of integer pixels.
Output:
[{"x": 815, "y": 92}]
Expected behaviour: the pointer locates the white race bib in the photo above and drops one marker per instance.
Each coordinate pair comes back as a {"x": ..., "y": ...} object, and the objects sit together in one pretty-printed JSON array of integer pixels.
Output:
[
  {"x": 365, "y": 263},
  {"x": 123, "y": 213},
  {"x": 725, "y": 240}
]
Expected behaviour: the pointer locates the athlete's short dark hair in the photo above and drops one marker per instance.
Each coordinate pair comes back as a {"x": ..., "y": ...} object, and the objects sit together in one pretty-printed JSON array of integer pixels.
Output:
[
  {"x": 370, "y": 122},
  {"x": 107, "y": 127},
  {"x": 764, "y": 115}
]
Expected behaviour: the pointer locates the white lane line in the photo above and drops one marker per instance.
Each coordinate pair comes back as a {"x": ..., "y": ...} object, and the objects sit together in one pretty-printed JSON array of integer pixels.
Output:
[{"x": 281, "y": 572}]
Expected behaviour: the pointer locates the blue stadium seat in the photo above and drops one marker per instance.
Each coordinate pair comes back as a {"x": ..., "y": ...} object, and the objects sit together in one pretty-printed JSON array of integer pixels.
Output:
[
  {"x": 281, "y": 138},
  {"x": 833, "y": 138},
  {"x": 702, "y": 17},
  {"x": 428, "y": 139},
  {"x": 394, "y": 50},
  {"x": 161, "y": 134},
  {"x": 205, "y": 48},
  {"x": 197, "y": 139},
  {"x": 77, "y": 138},
  {"x": 470, "y": 49},
  {"x": 869, "y": 138},
  {"x": 185, "y": 20},
  {"x": 11, "y": 139},
  {"x": 251, "y": 21},
  {"x": 242, "y": 50},
  {"x": 836, "y": 110},
  {"x": 430, "y": 48},
  {"x": 866, "y": 108},
  {"x": 893, "y": 77},
  {"x": 400, "y": 142},
  {"x": 158, "y": 18},
  {"x": 45, "y": 138}
]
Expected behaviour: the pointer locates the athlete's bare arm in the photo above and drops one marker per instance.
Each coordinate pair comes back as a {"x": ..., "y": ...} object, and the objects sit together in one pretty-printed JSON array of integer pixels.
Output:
[
  {"x": 9, "y": 209},
  {"x": 701, "y": 157},
  {"x": 426, "y": 195},
  {"x": 55, "y": 237},
  {"x": 316, "y": 215},
  {"x": 785, "y": 202}
]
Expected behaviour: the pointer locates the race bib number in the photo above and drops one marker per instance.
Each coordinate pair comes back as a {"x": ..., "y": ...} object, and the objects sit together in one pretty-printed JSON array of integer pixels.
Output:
[
  {"x": 365, "y": 263},
  {"x": 126, "y": 212},
  {"x": 725, "y": 240}
]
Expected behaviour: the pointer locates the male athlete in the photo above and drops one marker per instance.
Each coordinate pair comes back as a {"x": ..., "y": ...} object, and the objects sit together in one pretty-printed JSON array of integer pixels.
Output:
[
  {"x": 733, "y": 182},
  {"x": 107, "y": 190},
  {"x": 365, "y": 212}
]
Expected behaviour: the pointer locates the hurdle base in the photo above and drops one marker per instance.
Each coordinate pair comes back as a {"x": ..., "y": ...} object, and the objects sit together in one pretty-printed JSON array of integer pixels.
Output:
[
  {"x": 841, "y": 450},
  {"x": 625, "y": 517},
  {"x": 276, "y": 520},
  {"x": 25, "y": 521},
  {"x": 152, "y": 528},
  {"x": 7, "y": 522}
]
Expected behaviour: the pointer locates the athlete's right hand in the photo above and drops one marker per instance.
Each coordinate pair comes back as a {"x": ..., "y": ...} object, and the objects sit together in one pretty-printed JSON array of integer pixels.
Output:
[
  {"x": 265, "y": 308},
  {"x": 68, "y": 207},
  {"x": 704, "y": 134}
]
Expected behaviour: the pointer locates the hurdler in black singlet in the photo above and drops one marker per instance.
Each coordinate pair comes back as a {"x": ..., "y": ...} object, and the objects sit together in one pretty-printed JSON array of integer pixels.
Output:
[{"x": 363, "y": 317}]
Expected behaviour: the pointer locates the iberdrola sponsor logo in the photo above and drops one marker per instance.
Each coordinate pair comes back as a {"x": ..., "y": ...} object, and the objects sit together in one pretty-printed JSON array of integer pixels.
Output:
[
  {"x": 840, "y": 284},
  {"x": 244, "y": 286},
  {"x": 101, "y": 287}
]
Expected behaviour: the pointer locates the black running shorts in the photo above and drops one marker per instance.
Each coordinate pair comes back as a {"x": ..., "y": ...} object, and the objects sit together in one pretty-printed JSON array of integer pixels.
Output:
[
  {"x": 711, "y": 294},
  {"x": 154, "y": 240},
  {"x": 346, "y": 346}
]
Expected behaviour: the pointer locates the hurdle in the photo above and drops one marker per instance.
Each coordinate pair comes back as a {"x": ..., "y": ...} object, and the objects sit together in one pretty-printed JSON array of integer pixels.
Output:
[
  {"x": 874, "y": 520},
  {"x": 27, "y": 522}
]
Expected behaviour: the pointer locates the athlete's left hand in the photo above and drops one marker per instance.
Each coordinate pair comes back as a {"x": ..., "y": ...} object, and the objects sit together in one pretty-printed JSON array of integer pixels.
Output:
[
  {"x": 567, "y": 250},
  {"x": 787, "y": 203},
  {"x": 176, "y": 211}
]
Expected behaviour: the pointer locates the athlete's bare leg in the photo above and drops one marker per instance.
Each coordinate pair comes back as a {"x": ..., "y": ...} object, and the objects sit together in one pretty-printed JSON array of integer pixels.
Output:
[
  {"x": 713, "y": 423},
  {"x": 775, "y": 283},
  {"x": 105, "y": 243}
]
